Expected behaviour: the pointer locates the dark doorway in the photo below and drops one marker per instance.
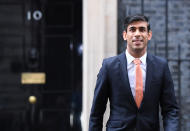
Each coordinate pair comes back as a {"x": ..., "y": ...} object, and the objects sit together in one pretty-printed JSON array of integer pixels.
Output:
[{"x": 40, "y": 38}]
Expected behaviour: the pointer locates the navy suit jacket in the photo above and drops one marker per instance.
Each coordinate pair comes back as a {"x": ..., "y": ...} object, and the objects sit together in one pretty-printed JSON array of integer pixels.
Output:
[{"x": 113, "y": 84}]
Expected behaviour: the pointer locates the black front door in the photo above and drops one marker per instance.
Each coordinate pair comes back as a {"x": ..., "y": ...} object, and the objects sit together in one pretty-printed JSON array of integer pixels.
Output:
[{"x": 41, "y": 65}]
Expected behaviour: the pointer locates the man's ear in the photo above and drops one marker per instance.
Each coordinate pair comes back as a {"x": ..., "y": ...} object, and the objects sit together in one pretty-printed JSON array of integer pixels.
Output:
[
  {"x": 149, "y": 35},
  {"x": 124, "y": 35}
]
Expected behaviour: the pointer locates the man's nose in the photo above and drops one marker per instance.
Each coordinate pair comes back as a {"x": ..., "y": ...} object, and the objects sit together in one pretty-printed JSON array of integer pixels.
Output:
[{"x": 137, "y": 33}]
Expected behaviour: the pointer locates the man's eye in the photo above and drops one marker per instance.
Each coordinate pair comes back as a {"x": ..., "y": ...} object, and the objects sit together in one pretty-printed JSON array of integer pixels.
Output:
[
  {"x": 132, "y": 29},
  {"x": 142, "y": 29}
]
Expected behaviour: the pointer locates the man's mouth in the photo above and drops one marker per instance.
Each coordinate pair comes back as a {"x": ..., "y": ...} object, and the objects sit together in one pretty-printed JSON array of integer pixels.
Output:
[{"x": 137, "y": 40}]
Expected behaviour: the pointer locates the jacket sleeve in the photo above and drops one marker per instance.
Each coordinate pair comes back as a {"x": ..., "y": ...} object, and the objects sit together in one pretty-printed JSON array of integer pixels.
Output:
[
  {"x": 100, "y": 100},
  {"x": 170, "y": 109}
]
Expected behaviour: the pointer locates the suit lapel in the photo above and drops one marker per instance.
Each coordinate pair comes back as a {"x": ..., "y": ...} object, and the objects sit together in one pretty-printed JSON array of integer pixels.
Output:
[
  {"x": 149, "y": 71},
  {"x": 124, "y": 77}
]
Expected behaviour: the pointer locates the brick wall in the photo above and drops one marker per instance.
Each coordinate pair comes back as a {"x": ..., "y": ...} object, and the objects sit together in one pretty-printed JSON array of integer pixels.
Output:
[{"x": 170, "y": 26}]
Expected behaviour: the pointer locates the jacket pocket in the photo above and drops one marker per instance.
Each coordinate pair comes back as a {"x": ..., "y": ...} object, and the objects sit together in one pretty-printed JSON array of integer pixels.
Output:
[{"x": 114, "y": 124}]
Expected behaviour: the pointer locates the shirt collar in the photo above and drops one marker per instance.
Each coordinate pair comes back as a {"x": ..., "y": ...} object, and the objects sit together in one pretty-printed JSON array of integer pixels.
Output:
[{"x": 130, "y": 58}]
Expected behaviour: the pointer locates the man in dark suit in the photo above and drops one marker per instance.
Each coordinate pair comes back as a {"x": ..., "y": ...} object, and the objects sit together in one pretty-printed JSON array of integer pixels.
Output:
[{"x": 136, "y": 84}]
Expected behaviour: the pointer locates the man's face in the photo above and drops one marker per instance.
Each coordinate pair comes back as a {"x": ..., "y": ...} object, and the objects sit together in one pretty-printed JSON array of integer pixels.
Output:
[{"x": 137, "y": 37}]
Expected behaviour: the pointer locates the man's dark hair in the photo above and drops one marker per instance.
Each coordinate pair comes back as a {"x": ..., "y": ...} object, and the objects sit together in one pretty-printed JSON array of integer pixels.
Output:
[{"x": 134, "y": 18}]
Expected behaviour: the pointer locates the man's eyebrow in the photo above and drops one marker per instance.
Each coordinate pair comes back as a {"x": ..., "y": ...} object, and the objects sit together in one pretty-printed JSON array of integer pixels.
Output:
[
  {"x": 132, "y": 27},
  {"x": 142, "y": 27}
]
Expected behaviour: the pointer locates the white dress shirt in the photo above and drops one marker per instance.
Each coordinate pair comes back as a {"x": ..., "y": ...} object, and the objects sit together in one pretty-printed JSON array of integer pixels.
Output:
[{"x": 131, "y": 71}]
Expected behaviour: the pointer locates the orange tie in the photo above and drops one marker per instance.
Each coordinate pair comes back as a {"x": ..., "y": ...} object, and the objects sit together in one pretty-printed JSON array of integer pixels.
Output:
[{"x": 139, "y": 83}]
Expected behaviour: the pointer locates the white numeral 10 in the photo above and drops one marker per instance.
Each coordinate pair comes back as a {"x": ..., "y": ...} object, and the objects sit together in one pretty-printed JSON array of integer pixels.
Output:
[{"x": 36, "y": 15}]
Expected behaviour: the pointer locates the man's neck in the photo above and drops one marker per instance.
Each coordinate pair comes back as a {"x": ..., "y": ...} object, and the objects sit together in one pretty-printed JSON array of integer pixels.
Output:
[{"x": 137, "y": 54}]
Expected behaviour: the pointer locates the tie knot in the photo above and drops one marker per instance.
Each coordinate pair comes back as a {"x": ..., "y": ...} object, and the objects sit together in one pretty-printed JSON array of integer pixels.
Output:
[{"x": 137, "y": 61}]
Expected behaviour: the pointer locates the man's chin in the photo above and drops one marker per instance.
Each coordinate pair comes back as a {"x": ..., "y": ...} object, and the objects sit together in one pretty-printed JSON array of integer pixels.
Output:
[{"x": 138, "y": 49}]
